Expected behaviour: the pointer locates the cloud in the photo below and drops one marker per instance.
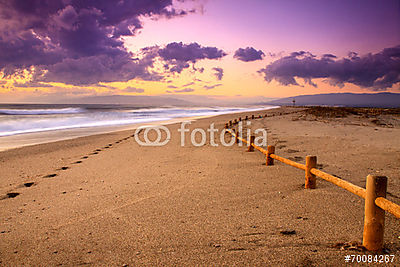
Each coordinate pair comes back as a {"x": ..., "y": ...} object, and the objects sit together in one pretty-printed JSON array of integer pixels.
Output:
[
  {"x": 180, "y": 56},
  {"x": 211, "y": 86},
  {"x": 248, "y": 54},
  {"x": 172, "y": 86},
  {"x": 133, "y": 90},
  {"x": 57, "y": 36},
  {"x": 378, "y": 71},
  {"x": 219, "y": 73},
  {"x": 186, "y": 90},
  {"x": 31, "y": 84},
  {"x": 188, "y": 84},
  {"x": 91, "y": 70},
  {"x": 190, "y": 52}
]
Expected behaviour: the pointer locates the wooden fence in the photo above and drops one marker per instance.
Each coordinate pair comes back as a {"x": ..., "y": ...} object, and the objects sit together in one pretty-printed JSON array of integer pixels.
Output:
[{"x": 374, "y": 194}]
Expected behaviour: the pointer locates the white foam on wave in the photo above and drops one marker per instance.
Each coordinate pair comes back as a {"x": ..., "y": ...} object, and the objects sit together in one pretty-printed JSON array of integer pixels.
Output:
[{"x": 42, "y": 111}]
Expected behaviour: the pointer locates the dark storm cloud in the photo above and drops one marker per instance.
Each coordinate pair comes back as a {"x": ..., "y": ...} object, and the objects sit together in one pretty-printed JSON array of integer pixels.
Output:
[
  {"x": 248, "y": 54},
  {"x": 59, "y": 35},
  {"x": 219, "y": 73},
  {"x": 378, "y": 71}
]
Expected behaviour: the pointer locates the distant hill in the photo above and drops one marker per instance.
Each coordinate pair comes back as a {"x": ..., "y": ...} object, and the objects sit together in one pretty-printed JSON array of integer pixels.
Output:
[
  {"x": 129, "y": 100},
  {"x": 342, "y": 99},
  {"x": 164, "y": 100}
]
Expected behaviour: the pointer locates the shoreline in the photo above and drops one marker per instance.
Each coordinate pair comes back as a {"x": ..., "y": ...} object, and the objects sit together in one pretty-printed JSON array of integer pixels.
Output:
[{"x": 35, "y": 138}]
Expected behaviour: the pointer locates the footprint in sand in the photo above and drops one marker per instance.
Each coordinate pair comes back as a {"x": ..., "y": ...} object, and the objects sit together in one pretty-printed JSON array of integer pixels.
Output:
[
  {"x": 29, "y": 184},
  {"x": 84, "y": 157},
  {"x": 94, "y": 153},
  {"x": 296, "y": 158},
  {"x": 77, "y": 162},
  {"x": 64, "y": 168},
  {"x": 292, "y": 151},
  {"x": 50, "y": 175},
  {"x": 12, "y": 195}
]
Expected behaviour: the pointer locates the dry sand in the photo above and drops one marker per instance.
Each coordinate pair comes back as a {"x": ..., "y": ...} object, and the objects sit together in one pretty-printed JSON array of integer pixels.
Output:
[{"x": 129, "y": 205}]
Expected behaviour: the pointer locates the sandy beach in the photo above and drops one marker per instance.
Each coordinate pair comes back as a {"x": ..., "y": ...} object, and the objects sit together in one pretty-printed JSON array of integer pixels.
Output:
[{"x": 104, "y": 200}]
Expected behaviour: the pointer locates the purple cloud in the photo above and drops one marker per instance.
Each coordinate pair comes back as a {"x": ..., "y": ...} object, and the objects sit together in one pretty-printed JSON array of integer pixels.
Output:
[
  {"x": 211, "y": 86},
  {"x": 188, "y": 84},
  {"x": 378, "y": 71},
  {"x": 180, "y": 56},
  {"x": 219, "y": 73},
  {"x": 248, "y": 54},
  {"x": 133, "y": 90},
  {"x": 57, "y": 36},
  {"x": 186, "y": 90},
  {"x": 190, "y": 52},
  {"x": 31, "y": 84}
]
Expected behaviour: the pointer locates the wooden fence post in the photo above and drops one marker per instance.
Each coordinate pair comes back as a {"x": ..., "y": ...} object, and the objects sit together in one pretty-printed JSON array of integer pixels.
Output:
[
  {"x": 230, "y": 123},
  {"x": 247, "y": 117},
  {"x": 374, "y": 217},
  {"x": 311, "y": 181},
  {"x": 270, "y": 161},
  {"x": 251, "y": 147},
  {"x": 240, "y": 118},
  {"x": 237, "y": 136}
]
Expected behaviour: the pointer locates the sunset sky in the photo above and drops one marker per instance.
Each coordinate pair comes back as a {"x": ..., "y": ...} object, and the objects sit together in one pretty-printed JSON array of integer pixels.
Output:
[{"x": 54, "y": 50}]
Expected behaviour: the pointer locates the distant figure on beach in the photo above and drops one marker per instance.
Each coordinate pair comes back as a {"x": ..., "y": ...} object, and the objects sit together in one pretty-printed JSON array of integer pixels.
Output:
[{"x": 294, "y": 102}]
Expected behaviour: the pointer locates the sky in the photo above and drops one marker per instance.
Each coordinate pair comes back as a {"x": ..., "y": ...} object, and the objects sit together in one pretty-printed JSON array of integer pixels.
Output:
[{"x": 52, "y": 50}]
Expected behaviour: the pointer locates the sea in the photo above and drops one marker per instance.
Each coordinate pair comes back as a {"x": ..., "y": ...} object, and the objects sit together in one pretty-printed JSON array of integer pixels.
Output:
[{"x": 28, "y": 124}]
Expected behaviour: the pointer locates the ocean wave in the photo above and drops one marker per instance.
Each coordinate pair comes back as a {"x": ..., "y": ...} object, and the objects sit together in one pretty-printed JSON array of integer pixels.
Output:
[
  {"x": 70, "y": 118},
  {"x": 41, "y": 111},
  {"x": 42, "y": 125}
]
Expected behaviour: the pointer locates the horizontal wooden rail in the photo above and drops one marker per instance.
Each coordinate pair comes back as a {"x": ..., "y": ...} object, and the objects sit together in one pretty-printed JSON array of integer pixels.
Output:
[
  {"x": 375, "y": 202},
  {"x": 289, "y": 162},
  {"x": 388, "y": 205},
  {"x": 262, "y": 150},
  {"x": 359, "y": 191}
]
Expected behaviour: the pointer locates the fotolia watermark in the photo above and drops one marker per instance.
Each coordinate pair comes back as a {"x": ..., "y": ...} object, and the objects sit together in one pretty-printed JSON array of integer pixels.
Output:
[{"x": 161, "y": 135}]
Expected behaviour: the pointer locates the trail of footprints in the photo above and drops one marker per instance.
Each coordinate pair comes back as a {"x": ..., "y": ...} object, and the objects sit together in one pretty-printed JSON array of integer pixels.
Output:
[{"x": 63, "y": 168}]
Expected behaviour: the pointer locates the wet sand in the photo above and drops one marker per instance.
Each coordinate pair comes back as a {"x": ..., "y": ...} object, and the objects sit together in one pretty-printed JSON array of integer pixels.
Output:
[{"x": 104, "y": 200}]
